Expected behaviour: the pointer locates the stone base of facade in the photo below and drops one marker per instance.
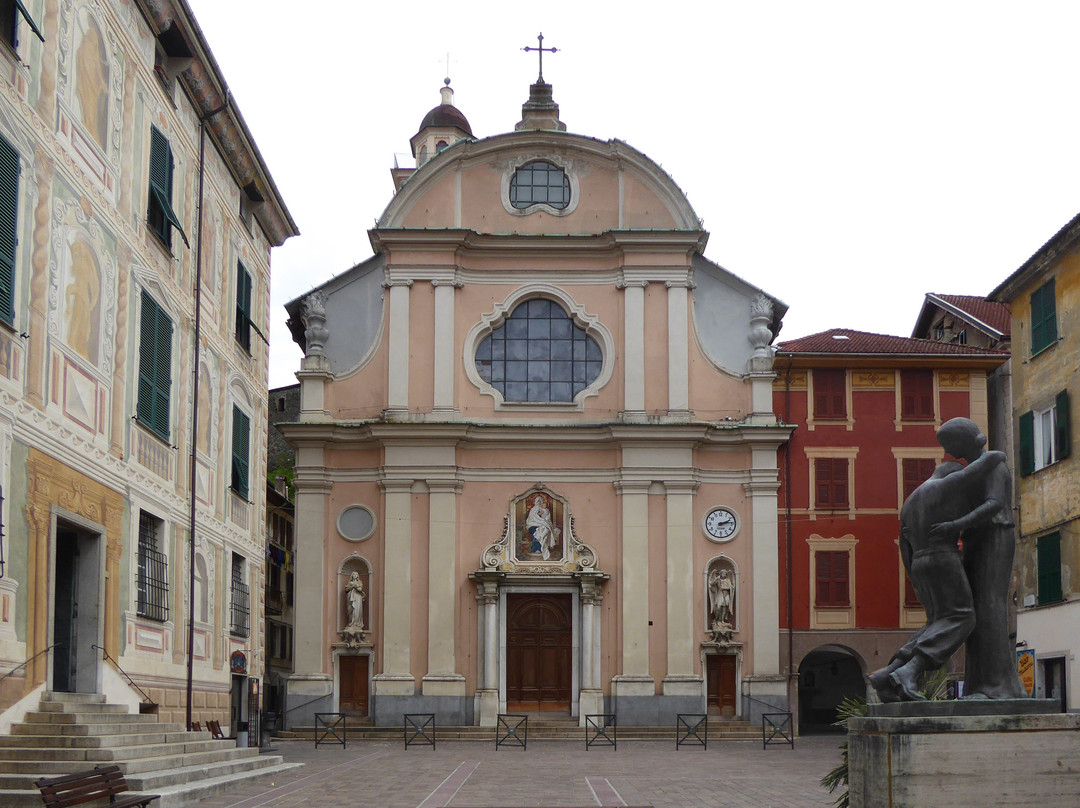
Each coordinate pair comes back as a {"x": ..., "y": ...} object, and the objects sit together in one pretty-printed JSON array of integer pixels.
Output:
[
  {"x": 655, "y": 710},
  {"x": 305, "y": 695},
  {"x": 764, "y": 694},
  {"x": 450, "y": 711},
  {"x": 993, "y": 761}
]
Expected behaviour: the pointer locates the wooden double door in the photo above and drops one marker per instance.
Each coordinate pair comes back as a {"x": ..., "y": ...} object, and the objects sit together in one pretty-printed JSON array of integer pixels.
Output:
[
  {"x": 720, "y": 683},
  {"x": 539, "y": 652},
  {"x": 353, "y": 696}
]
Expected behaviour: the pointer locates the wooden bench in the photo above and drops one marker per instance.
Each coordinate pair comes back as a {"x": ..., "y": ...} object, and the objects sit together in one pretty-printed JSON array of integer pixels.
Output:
[{"x": 83, "y": 787}]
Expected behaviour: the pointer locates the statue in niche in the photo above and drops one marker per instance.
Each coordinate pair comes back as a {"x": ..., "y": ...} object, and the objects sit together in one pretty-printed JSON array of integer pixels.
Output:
[
  {"x": 353, "y": 634},
  {"x": 81, "y": 300},
  {"x": 721, "y": 604},
  {"x": 92, "y": 84}
]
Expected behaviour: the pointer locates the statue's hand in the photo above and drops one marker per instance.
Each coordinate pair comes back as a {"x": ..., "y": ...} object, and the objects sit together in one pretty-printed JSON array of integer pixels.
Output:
[{"x": 944, "y": 530}]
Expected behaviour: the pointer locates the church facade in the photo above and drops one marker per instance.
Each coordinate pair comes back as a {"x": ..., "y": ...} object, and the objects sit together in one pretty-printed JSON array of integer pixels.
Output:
[{"x": 537, "y": 454}]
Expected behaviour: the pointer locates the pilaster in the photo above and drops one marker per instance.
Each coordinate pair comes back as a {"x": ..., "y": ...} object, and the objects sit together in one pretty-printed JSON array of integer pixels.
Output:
[
  {"x": 678, "y": 348},
  {"x": 761, "y": 491},
  {"x": 634, "y": 582},
  {"x": 396, "y": 676},
  {"x": 445, "y": 345},
  {"x": 442, "y": 678},
  {"x": 681, "y": 650},
  {"x": 634, "y": 347},
  {"x": 398, "y": 380}
]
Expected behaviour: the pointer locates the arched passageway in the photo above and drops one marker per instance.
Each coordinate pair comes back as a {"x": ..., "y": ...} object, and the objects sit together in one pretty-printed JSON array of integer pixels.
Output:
[{"x": 827, "y": 675}]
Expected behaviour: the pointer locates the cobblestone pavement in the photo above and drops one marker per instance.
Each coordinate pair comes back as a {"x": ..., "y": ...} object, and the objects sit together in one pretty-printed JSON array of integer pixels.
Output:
[{"x": 555, "y": 774}]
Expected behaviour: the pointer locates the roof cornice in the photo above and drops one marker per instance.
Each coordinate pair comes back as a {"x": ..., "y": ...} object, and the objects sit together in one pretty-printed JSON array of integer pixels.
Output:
[
  {"x": 1044, "y": 258},
  {"x": 206, "y": 87}
]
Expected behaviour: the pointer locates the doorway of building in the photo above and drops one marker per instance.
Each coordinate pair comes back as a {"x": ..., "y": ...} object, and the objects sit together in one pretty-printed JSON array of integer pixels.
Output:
[
  {"x": 539, "y": 652},
  {"x": 720, "y": 684},
  {"x": 827, "y": 675},
  {"x": 353, "y": 696},
  {"x": 76, "y": 601},
  {"x": 1051, "y": 683}
]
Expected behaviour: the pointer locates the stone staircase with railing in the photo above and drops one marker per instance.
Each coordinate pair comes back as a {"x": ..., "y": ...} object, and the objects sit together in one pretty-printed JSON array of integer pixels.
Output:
[{"x": 72, "y": 732}]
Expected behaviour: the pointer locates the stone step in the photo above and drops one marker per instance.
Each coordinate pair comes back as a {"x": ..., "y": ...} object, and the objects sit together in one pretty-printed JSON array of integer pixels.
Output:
[
  {"x": 111, "y": 728},
  {"x": 81, "y": 706},
  {"x": 92, "y": 741},
  {"x": 73, "y": 698},
  {"x": 70, "y": 717},
  {"x": 165, "y": 762},
  {"x": 154, "y": 781},
  {"x": 188, "y": 794},
  {"x": 14, "y": 761}
]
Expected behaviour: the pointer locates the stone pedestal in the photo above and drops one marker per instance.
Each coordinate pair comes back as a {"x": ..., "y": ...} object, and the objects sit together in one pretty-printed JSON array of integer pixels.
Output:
[{"x": 946, "y": 755}]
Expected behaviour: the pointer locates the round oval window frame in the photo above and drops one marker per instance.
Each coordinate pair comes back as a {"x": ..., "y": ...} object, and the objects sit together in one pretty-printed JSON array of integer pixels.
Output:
[{"x": 347, "y": 509}]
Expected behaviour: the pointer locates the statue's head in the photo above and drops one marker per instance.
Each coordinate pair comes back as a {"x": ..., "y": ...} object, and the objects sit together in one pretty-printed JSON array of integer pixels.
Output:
[{"x": 961, "y": 437}]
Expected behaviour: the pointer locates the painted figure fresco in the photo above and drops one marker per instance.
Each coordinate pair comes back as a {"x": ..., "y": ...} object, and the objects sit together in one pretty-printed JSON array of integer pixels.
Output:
[
  {"x": 539, "y": 517},
  {"x": 92, "y": 83},
  {"x": 81, "y": 301}
]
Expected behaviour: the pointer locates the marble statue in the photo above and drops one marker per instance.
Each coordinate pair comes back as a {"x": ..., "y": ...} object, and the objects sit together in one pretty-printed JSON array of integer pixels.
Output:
[
  {"x": 721, "y": 605},
  {"x": 354, "y": 601},
  {"x": 964, "y": 593}
]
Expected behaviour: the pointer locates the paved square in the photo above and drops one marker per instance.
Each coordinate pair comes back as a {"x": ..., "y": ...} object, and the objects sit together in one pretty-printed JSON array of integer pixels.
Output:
[{"x": 553, "y": 774}]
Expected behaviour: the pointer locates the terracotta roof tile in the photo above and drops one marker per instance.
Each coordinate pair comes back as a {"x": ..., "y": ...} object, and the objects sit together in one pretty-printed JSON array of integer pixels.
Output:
[
  {"x": 995, "y": 315},
  {"x": 849, "y": 341}
]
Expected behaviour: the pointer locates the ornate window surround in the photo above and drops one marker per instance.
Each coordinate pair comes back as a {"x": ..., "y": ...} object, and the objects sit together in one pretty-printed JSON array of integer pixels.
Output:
[
  {"x": 832, "y": 617},
  {"x": 567, "y": 166},
  {"x": 582, "y": 319}
]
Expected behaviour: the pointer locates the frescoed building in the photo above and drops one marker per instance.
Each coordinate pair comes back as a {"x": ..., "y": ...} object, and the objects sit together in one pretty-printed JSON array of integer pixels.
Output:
[
  {"x": 866, "y": 408},
  {"x": 1043, "y": 295},
  {"x": 130, "y": 188},
  {"x": 536, "y": 454}
]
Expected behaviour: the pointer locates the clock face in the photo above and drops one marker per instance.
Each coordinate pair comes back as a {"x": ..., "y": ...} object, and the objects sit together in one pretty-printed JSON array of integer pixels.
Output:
[{"x": 720, "y": 524}]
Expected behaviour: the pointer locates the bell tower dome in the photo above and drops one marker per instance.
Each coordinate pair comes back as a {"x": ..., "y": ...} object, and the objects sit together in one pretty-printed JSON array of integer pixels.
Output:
[{"x": 441, "y": 127}]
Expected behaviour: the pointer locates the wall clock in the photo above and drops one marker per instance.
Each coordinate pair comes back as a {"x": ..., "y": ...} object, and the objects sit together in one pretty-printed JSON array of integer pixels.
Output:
[{"x": 721, "y": 524}]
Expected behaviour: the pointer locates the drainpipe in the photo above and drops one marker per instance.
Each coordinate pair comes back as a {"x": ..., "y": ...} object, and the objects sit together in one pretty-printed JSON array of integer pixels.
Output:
[
  {"x": 787, "y": 528},
  {"x": 195, "y": 408}
]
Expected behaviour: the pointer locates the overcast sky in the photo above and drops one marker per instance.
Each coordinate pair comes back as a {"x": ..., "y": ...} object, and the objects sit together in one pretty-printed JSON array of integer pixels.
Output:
[{"x": 847, "y": 157}]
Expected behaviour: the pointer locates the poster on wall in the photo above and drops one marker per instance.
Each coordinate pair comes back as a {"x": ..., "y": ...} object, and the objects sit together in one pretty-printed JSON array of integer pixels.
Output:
[{"x": 1025, "y": 666}]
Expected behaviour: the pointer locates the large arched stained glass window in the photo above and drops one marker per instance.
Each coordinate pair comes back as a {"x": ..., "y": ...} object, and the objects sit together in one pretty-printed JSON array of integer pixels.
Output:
[
  {"x": 539, "y": 355},
  {"x": 539, "y": 182}
]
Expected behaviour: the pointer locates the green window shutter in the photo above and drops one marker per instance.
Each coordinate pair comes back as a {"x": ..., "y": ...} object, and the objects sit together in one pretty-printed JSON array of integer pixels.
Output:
[
  {"x": 1048, "y": 550},
  {"x": 1027, "y": 443},
  {"x": 9, "y": 212},
  {"x": 240, "y": 455},
  {"x": 162, "y": 216},
  {"x": 243, "y": 307},
  {"x": 1062, "y": 438},
  {"x": 1043, "y": 317},
  {"x": 155, "y": 367}
]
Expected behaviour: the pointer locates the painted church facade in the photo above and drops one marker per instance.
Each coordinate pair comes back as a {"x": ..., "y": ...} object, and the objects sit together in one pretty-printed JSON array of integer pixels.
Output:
[{"x": 536, "y": 456}]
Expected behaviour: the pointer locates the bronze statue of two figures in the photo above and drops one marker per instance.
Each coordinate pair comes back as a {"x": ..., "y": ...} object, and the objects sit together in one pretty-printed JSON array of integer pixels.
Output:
[{"x": 964, "y": 589}]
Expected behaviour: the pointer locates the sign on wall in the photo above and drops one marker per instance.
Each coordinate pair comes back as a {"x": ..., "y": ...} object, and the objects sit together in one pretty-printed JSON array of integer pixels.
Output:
[{"x": 1025, "y": 666}]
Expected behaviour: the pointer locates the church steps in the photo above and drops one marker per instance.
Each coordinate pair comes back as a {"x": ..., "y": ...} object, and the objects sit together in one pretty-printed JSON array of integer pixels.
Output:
[{"x": 75, "y": 732}]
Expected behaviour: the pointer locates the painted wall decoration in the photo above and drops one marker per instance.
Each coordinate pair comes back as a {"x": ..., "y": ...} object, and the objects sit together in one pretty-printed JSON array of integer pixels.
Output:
[
  {"x": 539, "y": 520},
  {"x": 92, "y": 82}
]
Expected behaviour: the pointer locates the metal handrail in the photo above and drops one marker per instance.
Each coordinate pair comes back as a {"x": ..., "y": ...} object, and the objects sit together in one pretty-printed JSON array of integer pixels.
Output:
[
  {"x": 31, "y": 659},
  {"x": 146, "y": 698}
]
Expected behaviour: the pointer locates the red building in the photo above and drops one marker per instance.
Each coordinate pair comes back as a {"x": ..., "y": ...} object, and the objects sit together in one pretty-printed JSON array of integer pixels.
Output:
[{"x": 867, "y": 407}]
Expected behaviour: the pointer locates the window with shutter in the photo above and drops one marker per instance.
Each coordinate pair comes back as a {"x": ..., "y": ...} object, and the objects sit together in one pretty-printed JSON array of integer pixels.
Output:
[
  {"x": 160, "y": 214},
  {"x": 1045, "y": 435},
  {"x": 831, "y": 578},
  {"x": 917, "y": 395},
  {"x": 830, "y": 394},
  {"x": 1043, "y": 317},
  {"x": 240, "y": 452},
  {"x": 9, "y": 211},
  {"x": 9, "y": 22},
  {"x": 1048, "y": 549},
  {"x": 831, "y": 482},
  {"x": 243, "y": 307},
  {"x": 916, "y": 471},
  {"x": 155, "y": 367}
]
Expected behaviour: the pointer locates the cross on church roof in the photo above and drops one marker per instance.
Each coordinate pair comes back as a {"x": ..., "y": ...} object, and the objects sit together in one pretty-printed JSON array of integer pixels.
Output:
[{"x": 541, "y": 49}]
